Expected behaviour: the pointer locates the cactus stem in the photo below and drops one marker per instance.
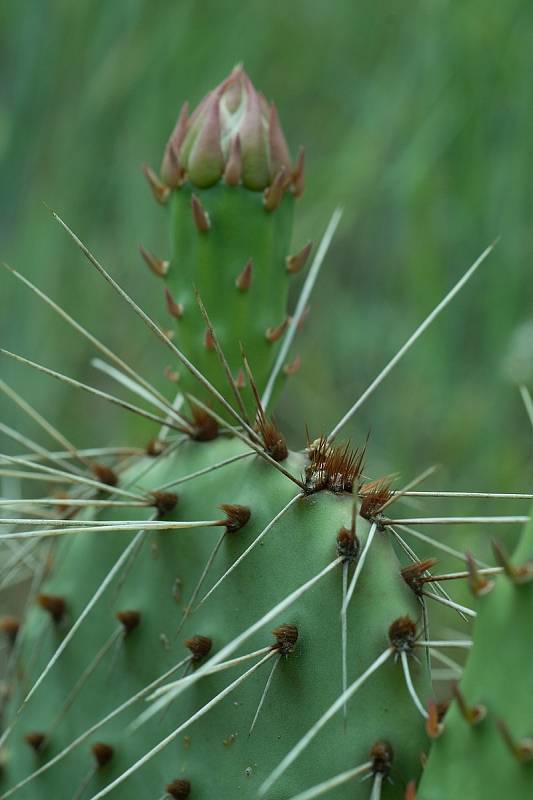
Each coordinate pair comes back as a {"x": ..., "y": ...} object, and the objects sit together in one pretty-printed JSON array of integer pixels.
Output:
[
  {"x": 157, "y": 265},
  {"x": 199, "y": 215},
  {"x": 298, "y": 260},
  {"x": 409, "y": 684},
  {"x": 264, "y": 694},
  {"x": 244, "y": 279},
  {"x": 305, "y": 293},
  {"x": 472, "y": 714},
  {"x": 250, "y": 547},
  {"x": 200, "y": 713},
  {"x": 159, "y": 189},
  {"x": 298, "y": 176},
  {"x": 521, "y": 749},
  {"x": 411, "y": 340},
  {"x": 146, "y": 319},
  {"x": 332, "y": 783},
  {"x": 214, "y": 342},
  {"x": 308, "y": 737}
]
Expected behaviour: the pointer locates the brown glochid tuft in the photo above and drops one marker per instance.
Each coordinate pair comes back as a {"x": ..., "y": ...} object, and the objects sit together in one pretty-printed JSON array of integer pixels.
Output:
[
  {"x": 374, "y": 495},
  {"x": 236, "y": 516},
  {"x": 178, "y": 789},
  {"x": 336, "y": 469},
  {"x": 105, "y": 474},
  {"x": 286, "y": 638},
  {"x": 200, "y": 647},
  {"x": 129, "y": 620},
  {"x": 347, "y": 544},
  {"x": 413, "y": 573},
  {"x": 382, "y": 756},
  {"x": 54, "y": 605},
  {"x": 155, "y": 447},
  {"x": 36, "y": 740},
  {"x": 402, "y": 634},
  {"x": 103, "y": 753},
  {"x": 205, "y": 426},
  {"x": 165, "y": 502},
  {"x": 10, "y": 627},
  {"x": 273, "y": 439}
]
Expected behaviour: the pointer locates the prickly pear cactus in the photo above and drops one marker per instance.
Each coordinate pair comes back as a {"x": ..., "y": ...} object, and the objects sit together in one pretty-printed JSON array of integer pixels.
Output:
[
  {"x": 486, "y": 747},
  {"x": 218, "y": 616}
]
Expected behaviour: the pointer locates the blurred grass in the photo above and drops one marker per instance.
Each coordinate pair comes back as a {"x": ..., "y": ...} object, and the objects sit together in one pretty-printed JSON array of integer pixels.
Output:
[{"x": 416, "y": 117}]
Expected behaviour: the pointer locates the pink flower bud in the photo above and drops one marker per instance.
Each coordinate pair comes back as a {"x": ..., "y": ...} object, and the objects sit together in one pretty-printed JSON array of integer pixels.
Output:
[{"x": 234, "y": 135}]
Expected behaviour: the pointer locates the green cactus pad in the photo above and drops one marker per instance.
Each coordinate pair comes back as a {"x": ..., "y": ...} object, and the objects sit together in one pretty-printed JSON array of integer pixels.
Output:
[{"x": 476, "y": 761}]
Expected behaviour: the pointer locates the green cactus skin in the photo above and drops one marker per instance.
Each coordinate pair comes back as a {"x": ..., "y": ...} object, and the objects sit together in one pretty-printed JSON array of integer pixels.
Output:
[
  {"x": 233, "y": 214},
  {"x": 241, "y": 231},
  {"x": 475, "y": 761},
  {"x": 220, "y": 759}
]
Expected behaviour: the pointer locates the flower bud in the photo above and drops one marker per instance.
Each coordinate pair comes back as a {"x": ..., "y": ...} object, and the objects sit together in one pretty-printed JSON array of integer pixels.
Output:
[{"x": 233, "y": 134}]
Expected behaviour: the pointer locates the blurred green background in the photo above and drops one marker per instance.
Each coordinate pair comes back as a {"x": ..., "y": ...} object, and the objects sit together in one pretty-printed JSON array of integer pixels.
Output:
[{"x": 416, "y": 117}]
